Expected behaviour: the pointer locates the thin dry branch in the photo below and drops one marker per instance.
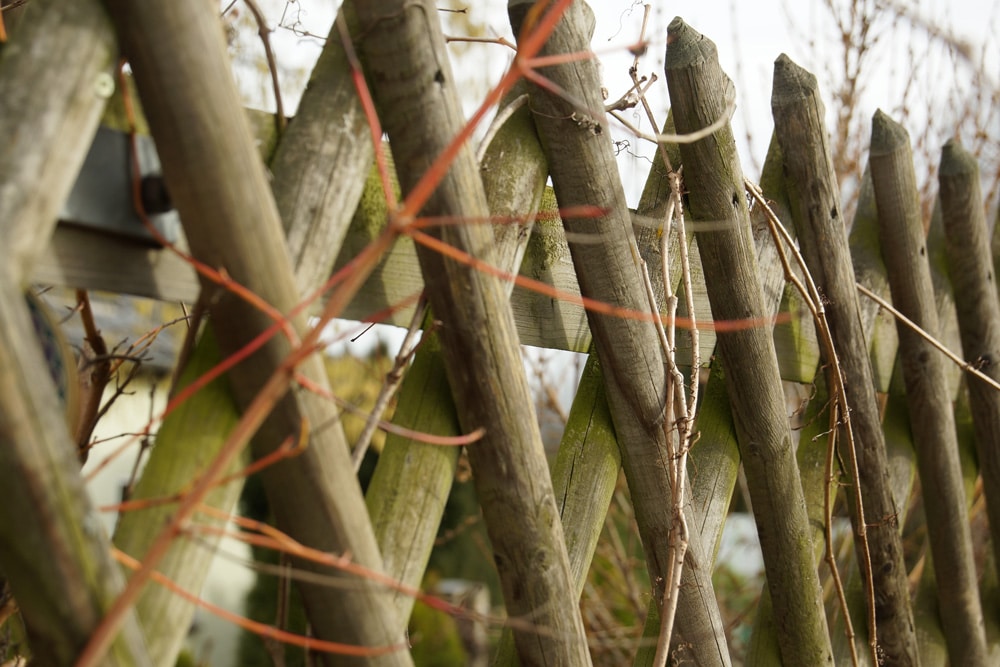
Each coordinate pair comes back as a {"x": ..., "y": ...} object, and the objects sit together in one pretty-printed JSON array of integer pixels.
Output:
[
  {"x": 903, "y": 246},
  {"x": 261, "y": 629},
  {"x": 572, "y": 129},
  {"x": 954, "y": 358},
  {"x": 272, "y": 66},
  {"x": 839, "y": 416},
  {"x": 680, "y": 414},
  {"x": 680, "y": 411},
  {"x": 700, "y": 93},
  {"x": 99, "y": 375},
  {"x": 392, "y": 381}
]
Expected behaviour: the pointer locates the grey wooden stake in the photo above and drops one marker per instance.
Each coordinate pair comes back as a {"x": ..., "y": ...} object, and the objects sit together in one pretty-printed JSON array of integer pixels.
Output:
[
  {"x": 320, "y": 166},
  {"x": 815, "y": 198},
  {"x": 901, "y": 235},
  {"x": 327, "y": 136},
  {"x": 221, "y": 189},
  {"x": 701, "y": 94},
  {"x": 407, "y": 494},
  {"x": 56, "y": 74},
  {"x": 970, "y": 269},
  {"x": 584, "y": 172},
  {"x": 407, "y": 67}
]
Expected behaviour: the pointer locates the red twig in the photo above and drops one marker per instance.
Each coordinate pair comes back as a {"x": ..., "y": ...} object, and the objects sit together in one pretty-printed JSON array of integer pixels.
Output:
[
  {"x": 267, "y": 536},
  {"x": 257, "y": 627},
  {"x": 529, "y": 46},
  {"x": 256, "y": 413},
  {"x": 219, "y": 277},
  {"x": 585, "y": 302}
]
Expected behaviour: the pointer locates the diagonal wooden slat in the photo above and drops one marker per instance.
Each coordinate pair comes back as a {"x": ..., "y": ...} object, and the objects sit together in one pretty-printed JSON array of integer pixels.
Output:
[
  {"x": 816, "y": 213},
  {"x": 407, "y": 67},
  {"x": 221, "y": 189},
  {"x": 409, "y": 489},
  {"x": 605, "y": 256}
]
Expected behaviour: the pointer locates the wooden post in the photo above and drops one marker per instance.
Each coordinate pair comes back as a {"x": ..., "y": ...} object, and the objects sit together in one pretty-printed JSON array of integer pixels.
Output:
[
  {"x": 971, "y": 272},
  {"x": 320, "y": 165},
  {"x": 584, "y": 172},
  {"x": 185, "y": 444},
  {"x": 718, "y": 449},
  {"x": 901, "y": 236},
  {"x": 763, "y": 647},
  {"x": 222, "y": 192},
  {"x": 408, "y": 491},
  {"x": 700, "y": 94},
  {"x": 315, "y": 210},
  {"x": 815, "y": 196},
  {"x": 585, "y": 472},
  {"x": 406, "y": 64}
]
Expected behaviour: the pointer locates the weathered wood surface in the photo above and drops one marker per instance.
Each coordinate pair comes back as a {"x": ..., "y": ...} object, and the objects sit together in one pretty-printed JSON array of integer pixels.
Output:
[
  {"x": 222, "y": 192},
  {"x": 715, "y": 461},
  {"x": 50, "y": 115},
  {"x": 407, "y": 67},
  {"x": 55, "y": 76},
  {"x": 409, "y": 489},
  {"x": 587, "y": 465},
  {"x": 927, "y": 606},
  {"x": 195, "y": 432},
  {"x": 407, "y": 494},
  {"x": 89, "y": 259},
  {"x": 869, "y": 270},
  {"x": 700, "y": 94},
  {"x": 604, "y": 252},
  {"x": 945, "y": 299},
  {"x": 971, "y": 272},
  {"x": 898, "y": 434},
  {"x": 880, "y": 328},
  {"x": 816, "y": 212},
  {"x": 319, "y": 165},
  {"x": 83, "y": 257},
  {"x": 717, "y": 449},
  {"x": 584, "y": 477},
  {"x": 763, "y": 647},
  {"x": 929, "y": 401},
  {"x": 186, "y": 442}
]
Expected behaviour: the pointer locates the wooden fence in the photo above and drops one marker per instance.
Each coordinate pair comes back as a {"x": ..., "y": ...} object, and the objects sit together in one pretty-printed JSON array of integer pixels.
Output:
[{"x": 902, "y": 415}]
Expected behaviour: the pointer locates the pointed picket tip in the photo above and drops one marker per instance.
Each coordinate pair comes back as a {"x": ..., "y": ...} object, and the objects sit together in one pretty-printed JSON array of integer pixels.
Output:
[
  {"x": 956, "y": 161},
  {"x": 687, "y": 47},
  {"x": 887, "y": 134},
  {"x": 791, "y": 82}
]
